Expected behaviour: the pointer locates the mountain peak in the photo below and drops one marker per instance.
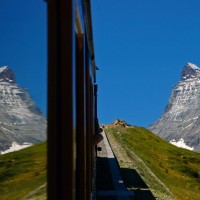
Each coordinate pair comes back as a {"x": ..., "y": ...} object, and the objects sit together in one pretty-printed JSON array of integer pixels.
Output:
[
  {"x": 190, "y": 71},
  {"x": 6, "y": 75},
  {"x": 20, "y": 119},
  {"x": 181, "y": 117}
]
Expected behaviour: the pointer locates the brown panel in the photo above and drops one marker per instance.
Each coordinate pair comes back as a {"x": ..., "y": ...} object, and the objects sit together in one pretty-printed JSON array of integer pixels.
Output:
[
  {"x": 71, "y": 107},
  {"x": 81, "y": 120},
  {"x": 90, "y": 131},
  {"x": 61, "y": 110}
]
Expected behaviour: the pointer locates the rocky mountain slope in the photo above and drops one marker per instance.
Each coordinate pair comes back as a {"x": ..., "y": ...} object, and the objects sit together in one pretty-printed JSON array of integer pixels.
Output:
[
  {"x": 181, "y": 117},
  {"x": 20, "y": 120}
]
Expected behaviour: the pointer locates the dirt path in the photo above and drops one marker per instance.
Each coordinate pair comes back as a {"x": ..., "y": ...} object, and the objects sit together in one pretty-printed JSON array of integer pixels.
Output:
[
  {"x": 137, "y": 176},
  {"x": 38, "y": 194}
]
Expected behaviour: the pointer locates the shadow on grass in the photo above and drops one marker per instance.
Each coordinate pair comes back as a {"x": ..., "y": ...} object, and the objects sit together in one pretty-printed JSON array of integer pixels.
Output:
[{"x": 134, "y": 181}]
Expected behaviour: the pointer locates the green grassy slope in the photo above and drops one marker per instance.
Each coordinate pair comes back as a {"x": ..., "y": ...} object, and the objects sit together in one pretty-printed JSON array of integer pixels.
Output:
[
  {"x": 177, "y": 168},
  {"x": 22, "y": 171}
]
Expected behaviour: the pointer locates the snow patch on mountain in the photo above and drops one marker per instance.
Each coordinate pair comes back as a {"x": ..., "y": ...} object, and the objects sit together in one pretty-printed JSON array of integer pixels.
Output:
[
  {"x": 3, "y": 68},
  {"x": 190, "y": 71},
  {"x": 181, "y": 143},
  {"x": 193, "y": 66},
  {"x": 16, "y": 147}
]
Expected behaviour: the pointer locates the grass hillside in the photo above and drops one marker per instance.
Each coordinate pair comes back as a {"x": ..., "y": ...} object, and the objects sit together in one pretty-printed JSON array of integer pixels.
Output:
[
  {"x": 22, "y": 172},
  {"x": 177, "y": 168}
]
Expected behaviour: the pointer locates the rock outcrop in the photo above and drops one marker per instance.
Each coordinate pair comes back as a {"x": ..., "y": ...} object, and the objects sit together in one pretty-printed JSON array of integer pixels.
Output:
[{"x": 117, "y": 123}]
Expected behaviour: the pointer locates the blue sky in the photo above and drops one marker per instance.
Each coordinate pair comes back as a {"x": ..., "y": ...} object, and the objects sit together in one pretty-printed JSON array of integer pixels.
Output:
[
  {"x": 141, "y": 47},
  {"x": 23, "y": 45}
]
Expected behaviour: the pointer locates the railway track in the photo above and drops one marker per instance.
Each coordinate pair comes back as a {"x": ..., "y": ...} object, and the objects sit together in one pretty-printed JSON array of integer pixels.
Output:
[{"x": 110, "y": 185}]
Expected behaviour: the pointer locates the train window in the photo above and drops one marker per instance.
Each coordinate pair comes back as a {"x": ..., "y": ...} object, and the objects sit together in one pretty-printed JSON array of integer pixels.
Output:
[
  {"x": 56, "y": 34},
  {"x": 23, "y": 96},
  {"x": 71, "y": 86},
  {"x": 72, "y": 114}
]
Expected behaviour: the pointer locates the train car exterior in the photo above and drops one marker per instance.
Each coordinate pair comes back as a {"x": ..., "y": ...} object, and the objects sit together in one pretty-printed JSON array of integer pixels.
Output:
[{"x": 72, "y": 112}]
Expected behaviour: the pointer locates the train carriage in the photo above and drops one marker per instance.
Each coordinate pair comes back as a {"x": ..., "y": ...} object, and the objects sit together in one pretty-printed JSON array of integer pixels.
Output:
[{"x": 72, "y": 96}]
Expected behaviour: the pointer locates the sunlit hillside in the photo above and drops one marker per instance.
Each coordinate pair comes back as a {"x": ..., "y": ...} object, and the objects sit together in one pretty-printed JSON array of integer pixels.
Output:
[
  {"x": 22, "y": 172},
  {"x": 177, "y": 168}
]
